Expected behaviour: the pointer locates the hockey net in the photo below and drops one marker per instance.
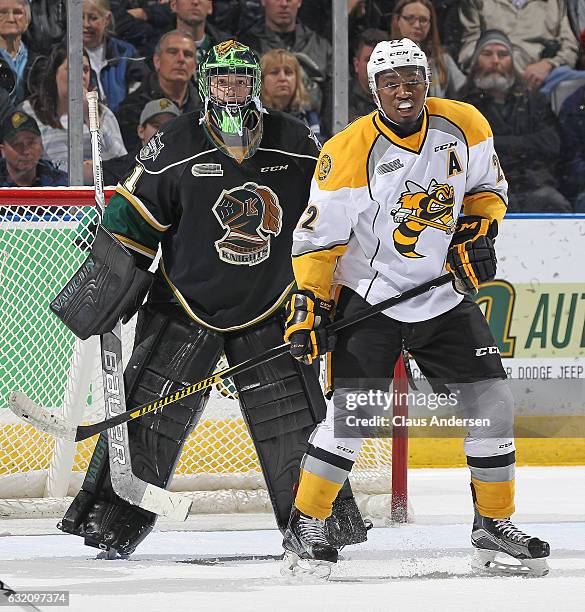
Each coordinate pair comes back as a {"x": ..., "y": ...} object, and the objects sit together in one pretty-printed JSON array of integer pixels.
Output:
[{"x": 43, "y": 233}]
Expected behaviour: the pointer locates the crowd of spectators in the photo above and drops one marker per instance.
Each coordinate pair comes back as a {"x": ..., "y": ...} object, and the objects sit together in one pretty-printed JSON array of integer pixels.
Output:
[{"x": 520, "y": 62}]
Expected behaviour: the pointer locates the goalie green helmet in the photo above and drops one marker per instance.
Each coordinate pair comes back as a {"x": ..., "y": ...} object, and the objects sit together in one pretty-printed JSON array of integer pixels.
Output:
[{"x": 229, "y": 84}]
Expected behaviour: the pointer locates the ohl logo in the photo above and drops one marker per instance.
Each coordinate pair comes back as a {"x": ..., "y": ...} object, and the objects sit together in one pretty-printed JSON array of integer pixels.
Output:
[
  {"x": 251, "y": 215},
  {"x": 421, "y": 208}
]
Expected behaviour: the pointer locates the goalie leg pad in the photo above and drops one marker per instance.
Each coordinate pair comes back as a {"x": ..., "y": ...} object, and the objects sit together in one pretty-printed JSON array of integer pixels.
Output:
[
  {"x": 170, "y": 352},
  {"x": 282, "y": 402},
  {"x": 106, "y": 288}
]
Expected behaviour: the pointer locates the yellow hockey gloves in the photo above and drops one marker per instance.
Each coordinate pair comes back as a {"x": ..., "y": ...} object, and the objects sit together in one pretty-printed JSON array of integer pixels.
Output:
[
  {"x": 306, "y": 318},
  {"x": 471, "y": 256}
]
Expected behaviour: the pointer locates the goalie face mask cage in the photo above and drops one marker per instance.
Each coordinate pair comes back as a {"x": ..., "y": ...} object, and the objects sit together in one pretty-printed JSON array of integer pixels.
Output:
[{"x": 229, "y": 84}]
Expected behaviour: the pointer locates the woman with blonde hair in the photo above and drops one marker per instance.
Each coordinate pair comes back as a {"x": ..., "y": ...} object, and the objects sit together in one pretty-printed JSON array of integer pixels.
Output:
[
  {"x": 417, "y": 20},
  {"x": 283, "y": 88},
  {"x": 113, "y": 60}
]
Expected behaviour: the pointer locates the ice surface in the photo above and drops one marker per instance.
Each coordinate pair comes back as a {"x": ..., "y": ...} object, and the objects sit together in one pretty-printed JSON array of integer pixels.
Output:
[{"x": 422, "y": 566}]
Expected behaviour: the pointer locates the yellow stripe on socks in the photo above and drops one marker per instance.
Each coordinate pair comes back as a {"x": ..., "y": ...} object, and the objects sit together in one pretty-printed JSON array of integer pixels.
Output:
[
  {"x": 316, "y": 495},
  {"x": 494, "y": 499}
]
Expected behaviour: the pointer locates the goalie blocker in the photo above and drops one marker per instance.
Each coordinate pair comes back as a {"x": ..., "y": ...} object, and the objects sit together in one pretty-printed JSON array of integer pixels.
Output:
[
  {"x": 281, "y": 401},
  {"x": 107, "y": 287}
]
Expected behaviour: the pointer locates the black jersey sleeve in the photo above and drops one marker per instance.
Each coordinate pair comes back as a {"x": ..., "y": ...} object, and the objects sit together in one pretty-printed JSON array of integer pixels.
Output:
[{"x": 146, "y": 203}]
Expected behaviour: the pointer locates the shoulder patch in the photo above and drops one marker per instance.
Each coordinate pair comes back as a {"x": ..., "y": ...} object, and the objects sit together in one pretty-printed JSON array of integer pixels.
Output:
[
  {"x": 206, "y": 170},
  {"x": 152, "y": 148},
  {"x": 325, "y": 165}
]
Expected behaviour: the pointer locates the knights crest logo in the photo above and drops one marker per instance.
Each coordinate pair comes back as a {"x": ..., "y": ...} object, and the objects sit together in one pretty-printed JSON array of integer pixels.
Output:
[
  {"x": 419, "y": 210},
  {"x": 152, "y": 148},
  {"x": 251, "y": 215}
]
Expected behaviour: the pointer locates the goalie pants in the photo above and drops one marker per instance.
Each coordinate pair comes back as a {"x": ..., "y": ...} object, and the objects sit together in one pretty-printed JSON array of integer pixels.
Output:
[
  {"x": 281, "y": 402},
  {"x": 453, "y": 349}
]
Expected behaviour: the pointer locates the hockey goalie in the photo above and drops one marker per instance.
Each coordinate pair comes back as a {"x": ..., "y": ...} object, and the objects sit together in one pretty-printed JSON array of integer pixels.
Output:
[{"x": 221, "y": 192}]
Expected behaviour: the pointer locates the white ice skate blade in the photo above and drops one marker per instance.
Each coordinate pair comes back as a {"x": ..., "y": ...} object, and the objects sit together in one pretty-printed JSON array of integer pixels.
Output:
[
  {"x": 304, "y": 570},
  {"x": 485, "y": 562}
]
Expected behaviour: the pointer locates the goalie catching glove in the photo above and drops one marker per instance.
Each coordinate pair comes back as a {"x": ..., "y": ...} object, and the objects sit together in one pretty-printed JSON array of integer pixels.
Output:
[
  {"x": 471, "y": 257},
  {"x": 306, "y": 319},
  {"x": 106, "y": 288}
]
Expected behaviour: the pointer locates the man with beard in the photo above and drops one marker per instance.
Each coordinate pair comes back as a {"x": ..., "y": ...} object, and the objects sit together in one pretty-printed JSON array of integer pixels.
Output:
[{"x": 522, "y": 121}]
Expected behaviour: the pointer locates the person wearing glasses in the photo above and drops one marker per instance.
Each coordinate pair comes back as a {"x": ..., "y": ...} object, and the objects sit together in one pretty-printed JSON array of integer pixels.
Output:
[
  {"x": 384, "y": 217},
  {"x": 417, "y": 20}
]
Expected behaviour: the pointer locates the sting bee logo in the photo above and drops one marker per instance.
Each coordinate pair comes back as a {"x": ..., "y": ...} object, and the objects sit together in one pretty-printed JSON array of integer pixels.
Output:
[{"x": 421, "y": 208}]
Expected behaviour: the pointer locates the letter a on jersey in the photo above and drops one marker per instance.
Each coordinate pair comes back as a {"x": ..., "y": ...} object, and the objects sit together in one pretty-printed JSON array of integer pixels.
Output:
[
  {"x": 454, "y": 165},
  {"x": 251, "y": 215}
]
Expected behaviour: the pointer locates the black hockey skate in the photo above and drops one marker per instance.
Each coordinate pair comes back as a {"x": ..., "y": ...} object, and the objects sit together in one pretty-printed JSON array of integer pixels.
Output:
[
  {"x": 491, "y": 537},
  {"x": 307, "y": 552}
]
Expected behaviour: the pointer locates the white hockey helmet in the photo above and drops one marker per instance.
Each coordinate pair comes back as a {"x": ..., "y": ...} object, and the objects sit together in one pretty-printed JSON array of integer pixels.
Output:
[{"x": 392, "y": 54}]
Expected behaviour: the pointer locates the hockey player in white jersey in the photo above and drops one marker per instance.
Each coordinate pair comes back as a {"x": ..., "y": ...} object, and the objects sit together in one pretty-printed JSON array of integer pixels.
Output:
[{"x": 398, "y": 195}]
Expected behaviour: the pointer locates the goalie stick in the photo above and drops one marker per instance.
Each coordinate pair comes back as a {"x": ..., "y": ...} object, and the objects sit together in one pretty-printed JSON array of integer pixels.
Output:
[
  {"x": 44, "y": 420},
  {"x": 124, "y": 482}
]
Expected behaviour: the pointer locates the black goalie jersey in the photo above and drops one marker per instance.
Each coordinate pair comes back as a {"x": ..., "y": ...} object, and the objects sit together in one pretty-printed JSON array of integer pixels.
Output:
[{"x": 225, "y": 229}]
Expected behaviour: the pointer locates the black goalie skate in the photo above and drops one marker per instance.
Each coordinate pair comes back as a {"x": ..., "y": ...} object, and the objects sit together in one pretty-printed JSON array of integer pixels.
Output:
[
  {"x": 491, "y": 537},
  {"x": 307, "y": 552}
]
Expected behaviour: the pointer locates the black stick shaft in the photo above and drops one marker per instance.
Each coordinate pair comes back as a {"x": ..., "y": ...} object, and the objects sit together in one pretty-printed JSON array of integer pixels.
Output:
[{"x": 87, "y": 431}]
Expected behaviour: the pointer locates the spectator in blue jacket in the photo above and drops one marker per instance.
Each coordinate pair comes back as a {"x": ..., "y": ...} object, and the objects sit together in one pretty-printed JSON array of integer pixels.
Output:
[
  {"x": 21, "y": 164},
  {"x": 114, "y": 61}
]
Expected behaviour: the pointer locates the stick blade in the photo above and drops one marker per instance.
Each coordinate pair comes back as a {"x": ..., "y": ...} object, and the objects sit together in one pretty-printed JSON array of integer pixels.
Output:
[
  {"x": 40, "y": 418},
  {"x": 166, "y": 503}
]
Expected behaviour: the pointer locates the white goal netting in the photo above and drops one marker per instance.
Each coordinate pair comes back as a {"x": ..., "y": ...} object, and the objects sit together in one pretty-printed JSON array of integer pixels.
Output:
[{"x": 42, "y": 237}]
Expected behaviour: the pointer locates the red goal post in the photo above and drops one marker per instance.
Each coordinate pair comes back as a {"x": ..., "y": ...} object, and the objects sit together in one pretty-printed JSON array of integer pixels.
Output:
[{"x": 218, "y": 467}]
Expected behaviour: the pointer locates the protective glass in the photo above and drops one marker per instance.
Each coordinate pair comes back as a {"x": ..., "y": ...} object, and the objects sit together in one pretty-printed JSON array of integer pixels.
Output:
[{"x": 412, "y": 19}]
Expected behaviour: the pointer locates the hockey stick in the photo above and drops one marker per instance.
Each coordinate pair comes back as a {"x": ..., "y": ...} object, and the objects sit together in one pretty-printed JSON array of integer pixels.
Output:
[
  {"x": 42, "y": 419},
  {"x": 441, "y": 226},
  {"x": 124, "y": 483}
]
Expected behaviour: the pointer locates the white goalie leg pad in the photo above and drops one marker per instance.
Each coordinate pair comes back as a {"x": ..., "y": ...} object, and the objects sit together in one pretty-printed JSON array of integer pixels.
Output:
[
  {"x": 304, "y": 570},
  {"x": 496, "y": 563},
  {"x": 124, "y": 483}
]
